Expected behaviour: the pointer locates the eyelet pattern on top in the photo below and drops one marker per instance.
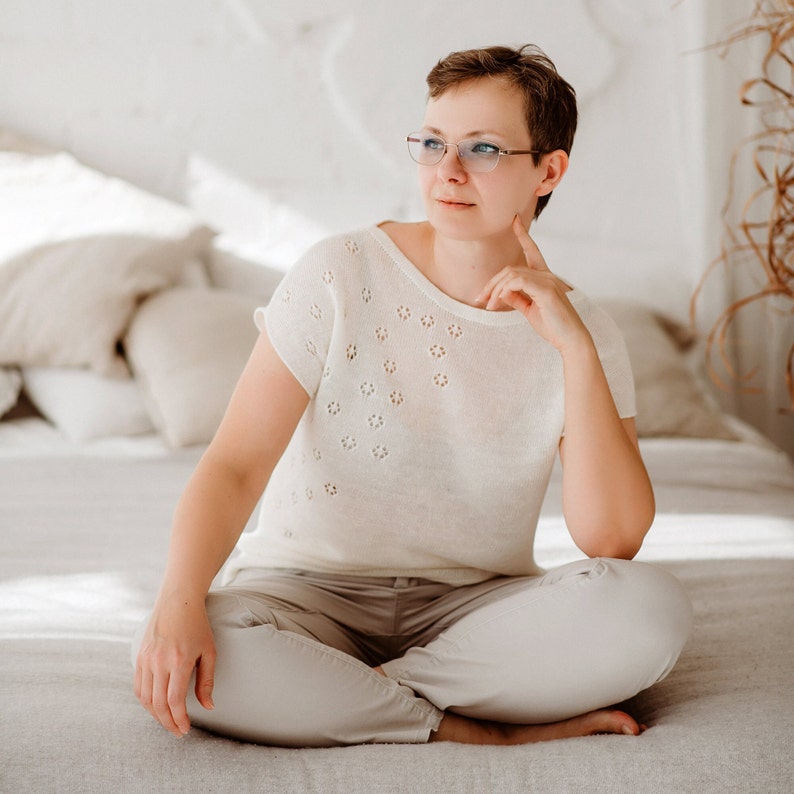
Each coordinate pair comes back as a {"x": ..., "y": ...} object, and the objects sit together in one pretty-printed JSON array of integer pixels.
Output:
[{"x": 359, "y": 353}]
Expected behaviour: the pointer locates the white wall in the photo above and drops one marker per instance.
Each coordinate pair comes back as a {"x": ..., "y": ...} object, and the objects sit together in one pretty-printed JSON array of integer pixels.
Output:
[{"x": 283, "y": 120}]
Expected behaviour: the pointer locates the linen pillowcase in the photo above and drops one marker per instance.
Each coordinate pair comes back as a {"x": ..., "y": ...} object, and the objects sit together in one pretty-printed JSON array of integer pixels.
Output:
[
  {"x": 84, "y": 405},
  {"x": 78, "y": 250},
  {"x": 10, "y": 386},
  {"x": 187, "y": 347},
  {"x": 229, "y": 271},
  {"x": 670, "y": 401}
]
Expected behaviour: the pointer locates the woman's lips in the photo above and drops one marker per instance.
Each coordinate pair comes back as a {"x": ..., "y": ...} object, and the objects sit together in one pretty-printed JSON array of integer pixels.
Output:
[{"x": 452, "y": 203}]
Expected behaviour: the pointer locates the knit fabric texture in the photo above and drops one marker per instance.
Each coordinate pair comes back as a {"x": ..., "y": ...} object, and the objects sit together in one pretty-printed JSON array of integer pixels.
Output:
[{"x": 432, "y": 428}]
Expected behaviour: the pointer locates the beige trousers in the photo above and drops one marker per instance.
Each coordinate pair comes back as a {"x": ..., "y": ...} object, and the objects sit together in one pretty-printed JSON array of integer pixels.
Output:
[{"x": 296, "y": 650}]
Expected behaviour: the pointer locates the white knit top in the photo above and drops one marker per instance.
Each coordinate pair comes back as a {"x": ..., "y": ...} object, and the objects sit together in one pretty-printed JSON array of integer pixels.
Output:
[{"x": 429, "y": 439}]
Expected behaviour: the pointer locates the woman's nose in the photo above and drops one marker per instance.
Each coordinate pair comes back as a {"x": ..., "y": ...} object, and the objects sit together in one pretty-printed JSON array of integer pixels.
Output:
[{"x": 451, "y": 168}]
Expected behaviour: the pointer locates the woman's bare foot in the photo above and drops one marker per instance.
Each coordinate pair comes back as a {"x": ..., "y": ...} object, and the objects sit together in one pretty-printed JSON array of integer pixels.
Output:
[{"x": 454, "y": 728}]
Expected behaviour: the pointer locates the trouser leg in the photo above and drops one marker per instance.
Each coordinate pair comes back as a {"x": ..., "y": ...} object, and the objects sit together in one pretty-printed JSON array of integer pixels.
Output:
[
  {"x": 288, "y": 688},
  {"x": 585, "y": 636}
]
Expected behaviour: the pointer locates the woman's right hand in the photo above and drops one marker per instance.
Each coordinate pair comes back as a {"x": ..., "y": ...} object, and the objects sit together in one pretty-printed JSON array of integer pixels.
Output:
[
  {"x": 209, "y": 518},
  {"x": 177, "y": 640}
]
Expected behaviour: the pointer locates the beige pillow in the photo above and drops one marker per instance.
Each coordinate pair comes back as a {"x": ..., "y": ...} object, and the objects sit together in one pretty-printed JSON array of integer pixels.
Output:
[
  {"x": 10, "y": 385},
  {"x": 187, "y": 347},
  {"x": 670, "y": 401},
  {"x": 78, "y": 250},
  {"x": 227, "y": 270}
]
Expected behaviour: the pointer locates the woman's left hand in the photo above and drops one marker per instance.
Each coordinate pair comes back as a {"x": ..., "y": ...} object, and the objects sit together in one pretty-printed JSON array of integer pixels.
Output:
[{"x": 537, "y": 293}]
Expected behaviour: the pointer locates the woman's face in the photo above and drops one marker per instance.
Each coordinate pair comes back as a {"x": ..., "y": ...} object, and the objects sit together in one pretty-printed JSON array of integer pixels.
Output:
[{"x": 476, "y": 206}]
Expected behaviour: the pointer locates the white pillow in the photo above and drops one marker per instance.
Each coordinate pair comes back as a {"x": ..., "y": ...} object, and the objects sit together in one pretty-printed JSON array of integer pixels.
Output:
[
  {"x": 78, "y": 250},
  {"x": 187, "y": 347},
  {"x": 10, "y": 385},
  {"x": 84, "y": 405}
]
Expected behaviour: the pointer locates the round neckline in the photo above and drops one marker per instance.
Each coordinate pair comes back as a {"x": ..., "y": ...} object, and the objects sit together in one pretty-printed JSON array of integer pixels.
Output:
[
  {"x": 436, "y": 295},
  {"x": 463, "y": 310}
]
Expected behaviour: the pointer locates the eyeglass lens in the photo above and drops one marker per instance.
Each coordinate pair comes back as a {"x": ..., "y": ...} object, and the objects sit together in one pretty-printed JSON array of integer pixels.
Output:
[{"x": 475, "y": 155}]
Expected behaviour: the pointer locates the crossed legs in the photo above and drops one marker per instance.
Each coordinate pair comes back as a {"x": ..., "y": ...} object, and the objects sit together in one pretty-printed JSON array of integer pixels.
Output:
[{"x": 510, "y": 661}]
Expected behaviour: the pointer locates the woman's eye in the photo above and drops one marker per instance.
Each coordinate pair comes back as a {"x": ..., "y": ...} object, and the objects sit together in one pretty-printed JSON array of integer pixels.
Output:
[
  {"x": 483, "y": 147},
  {"x": 433, "y": 144}
]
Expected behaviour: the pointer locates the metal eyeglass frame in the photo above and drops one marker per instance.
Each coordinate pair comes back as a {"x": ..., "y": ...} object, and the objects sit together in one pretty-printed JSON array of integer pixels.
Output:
[{"x": 500, "y": 152}]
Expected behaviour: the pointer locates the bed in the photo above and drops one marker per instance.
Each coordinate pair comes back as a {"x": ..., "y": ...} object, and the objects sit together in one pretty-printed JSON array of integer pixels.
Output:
[{"x": 98, "y": 440}]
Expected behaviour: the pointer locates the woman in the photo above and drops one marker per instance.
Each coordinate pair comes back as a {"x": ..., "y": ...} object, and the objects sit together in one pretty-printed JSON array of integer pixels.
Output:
[{"x": 402, "y": 410}]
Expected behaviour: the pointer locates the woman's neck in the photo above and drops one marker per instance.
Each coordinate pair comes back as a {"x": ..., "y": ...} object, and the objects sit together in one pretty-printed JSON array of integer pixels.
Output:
[{"x": 461, "y": 268}]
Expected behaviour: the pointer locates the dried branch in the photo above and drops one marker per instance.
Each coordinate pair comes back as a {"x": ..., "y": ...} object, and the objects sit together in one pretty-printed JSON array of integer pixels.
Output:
[{"x": 764, "y": 245}]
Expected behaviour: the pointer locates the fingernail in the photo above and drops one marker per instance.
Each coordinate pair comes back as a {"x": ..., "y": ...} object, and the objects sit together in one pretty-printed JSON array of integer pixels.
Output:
[{"x": 628, "y": 731}]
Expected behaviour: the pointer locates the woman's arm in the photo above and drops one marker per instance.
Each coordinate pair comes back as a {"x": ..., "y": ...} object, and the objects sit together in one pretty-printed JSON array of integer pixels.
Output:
[
  {"x": 608, "y": 500},
  {"x": 263, "y": 412}
]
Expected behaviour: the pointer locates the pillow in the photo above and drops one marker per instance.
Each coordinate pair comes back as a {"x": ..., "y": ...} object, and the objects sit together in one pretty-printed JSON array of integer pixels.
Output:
[
  {"x": 194, "y": 273},
  {"x": 10, "y": 385},
  {"x": 670, "y": 401},
  {"x": 187, "y": 347},
  {"x": 78, "y": 250},
  {"x": 84, "y": 405},
  {"x": 230, "y": 271}
]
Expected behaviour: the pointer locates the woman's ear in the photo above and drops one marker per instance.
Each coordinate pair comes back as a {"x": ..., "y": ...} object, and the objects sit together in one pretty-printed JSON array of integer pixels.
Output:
[{"x": 556, "y": 164}]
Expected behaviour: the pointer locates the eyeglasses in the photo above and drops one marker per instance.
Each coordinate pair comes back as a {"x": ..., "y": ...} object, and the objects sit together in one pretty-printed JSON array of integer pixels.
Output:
[{"x": 475, "y": 155}]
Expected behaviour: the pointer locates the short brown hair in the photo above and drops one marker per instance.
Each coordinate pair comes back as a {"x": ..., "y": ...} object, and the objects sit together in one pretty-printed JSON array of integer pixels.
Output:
[{"x": 549, "y": 100}]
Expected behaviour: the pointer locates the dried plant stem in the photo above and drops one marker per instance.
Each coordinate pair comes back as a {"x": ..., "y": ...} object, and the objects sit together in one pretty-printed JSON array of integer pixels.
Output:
[{"x": 764, "y": 245}]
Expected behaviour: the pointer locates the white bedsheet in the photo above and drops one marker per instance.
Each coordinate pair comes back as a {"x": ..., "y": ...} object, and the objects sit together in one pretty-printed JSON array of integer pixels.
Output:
[
  {"x": 714, "y": 499},
  {"x": 33, "y": 437}
]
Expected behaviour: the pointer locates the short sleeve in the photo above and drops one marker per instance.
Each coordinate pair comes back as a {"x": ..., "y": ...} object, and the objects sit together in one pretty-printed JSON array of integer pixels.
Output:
[
  {"x": 300, "y": 316},
  {"x": 612, "y": 352}
]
